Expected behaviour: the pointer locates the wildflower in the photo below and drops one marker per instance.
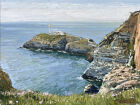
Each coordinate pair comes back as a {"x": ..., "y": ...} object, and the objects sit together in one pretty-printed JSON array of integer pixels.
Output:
[
  {"x": 40, "y": 102},
  {"x": 131, "y": 97},
  {"x": 92, "y": 95},
  {"x": 8, "y": 93},
  {"x": 102, "y": 96},
  {"x": 46, "y": 94},
  {"x": 30, "y": 91},
  {"x": 22, "y": 93},
  {"x": 16, "y": 101},
  {"x": 10, "y": 102},
  {"x": 113, "y": 95}
]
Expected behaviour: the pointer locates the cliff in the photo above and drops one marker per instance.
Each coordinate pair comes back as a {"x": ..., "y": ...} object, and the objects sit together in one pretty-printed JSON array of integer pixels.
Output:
[
  {"x": 5, "y": 82},
  {"x": 137, "y": 43},
  {"x": 130, "y": 27},
  {"x": 119, "y": 49}
]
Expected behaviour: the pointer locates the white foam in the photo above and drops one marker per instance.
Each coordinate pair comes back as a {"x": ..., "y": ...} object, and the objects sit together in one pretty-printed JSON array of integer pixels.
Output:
[{"x": 79, "y": 78}]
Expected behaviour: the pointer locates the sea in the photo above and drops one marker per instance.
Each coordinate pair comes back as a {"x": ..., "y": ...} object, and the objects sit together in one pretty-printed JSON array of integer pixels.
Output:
[{"x": 50, "y": 72}]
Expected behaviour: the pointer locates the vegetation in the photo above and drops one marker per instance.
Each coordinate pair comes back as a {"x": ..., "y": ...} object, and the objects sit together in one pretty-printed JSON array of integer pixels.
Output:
[
  {"x": 5, "y": 82},
  {"x": 129, "y": 97},
  {"x": 131, "y": 49},
  {"x": 49, "y": 37}
]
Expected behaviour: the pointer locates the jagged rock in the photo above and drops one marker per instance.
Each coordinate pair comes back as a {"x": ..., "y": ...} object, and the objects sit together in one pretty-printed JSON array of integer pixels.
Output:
[
  {"x": 117, "y": 48},
  {"x": 105, "y": 59},
  {"x": 91, "y": 89},
  {"x": 63, "y": 42},
  {"x": 120, "y": 79},
  {"x": 89, "y": 57},
  {"x": 5, "y": 82},
  {"x": 80, "y": 47}
]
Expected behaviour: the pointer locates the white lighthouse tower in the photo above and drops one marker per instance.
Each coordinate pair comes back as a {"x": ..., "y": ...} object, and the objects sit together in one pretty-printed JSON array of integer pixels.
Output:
[{"x": 50, "y": 28}]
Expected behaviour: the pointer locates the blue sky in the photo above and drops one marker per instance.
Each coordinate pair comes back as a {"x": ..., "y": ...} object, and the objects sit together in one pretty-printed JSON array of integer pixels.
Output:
[{"x": 67, "y": 10}]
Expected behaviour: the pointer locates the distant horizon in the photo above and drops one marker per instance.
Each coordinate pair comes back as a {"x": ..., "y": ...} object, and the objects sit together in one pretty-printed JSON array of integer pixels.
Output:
[
  {"x": 67, "y": 11},
  {"x": 29, "y": 21}
]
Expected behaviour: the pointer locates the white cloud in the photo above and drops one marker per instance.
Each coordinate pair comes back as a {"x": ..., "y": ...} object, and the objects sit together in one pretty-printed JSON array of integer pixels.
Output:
[{"x": 65, "y": 12}]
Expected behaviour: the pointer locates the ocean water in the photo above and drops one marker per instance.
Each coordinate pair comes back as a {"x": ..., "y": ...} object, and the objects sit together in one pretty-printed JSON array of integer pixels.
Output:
[{"x": 51, "y": 72}]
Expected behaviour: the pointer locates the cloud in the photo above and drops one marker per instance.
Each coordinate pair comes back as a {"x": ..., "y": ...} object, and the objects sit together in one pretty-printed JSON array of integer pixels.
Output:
[{"x": 11, "y": 12}]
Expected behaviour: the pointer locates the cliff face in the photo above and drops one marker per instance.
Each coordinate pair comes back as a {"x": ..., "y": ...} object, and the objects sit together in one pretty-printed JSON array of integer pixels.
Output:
[
  {"x": 127, "y": 28},
  {"x": 130, "y": 27},
  {"x": 137, "y": 44},
  {"x": 118, "y": 49},
  {"x": 5, "y": 82},
  {"x": 124, "y": 78},
  {"x": 119, "y": 79}
]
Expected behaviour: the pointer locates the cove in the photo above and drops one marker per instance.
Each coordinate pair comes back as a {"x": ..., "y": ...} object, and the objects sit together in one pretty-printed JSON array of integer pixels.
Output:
[{"x": 55, "y": 73}]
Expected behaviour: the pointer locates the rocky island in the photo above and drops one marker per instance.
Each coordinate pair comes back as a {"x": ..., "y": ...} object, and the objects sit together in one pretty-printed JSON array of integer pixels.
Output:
[{"x": 61, "y": 41}]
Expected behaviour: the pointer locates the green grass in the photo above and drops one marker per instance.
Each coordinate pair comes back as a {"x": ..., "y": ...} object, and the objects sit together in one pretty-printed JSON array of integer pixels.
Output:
[
  {"x": 50, "y": 38},
  {"x": 129, "y": 97}
]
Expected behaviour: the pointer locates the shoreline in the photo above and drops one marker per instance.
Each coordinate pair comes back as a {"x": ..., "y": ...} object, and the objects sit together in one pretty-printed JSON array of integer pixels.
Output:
[{"x": 115, "y": 64}]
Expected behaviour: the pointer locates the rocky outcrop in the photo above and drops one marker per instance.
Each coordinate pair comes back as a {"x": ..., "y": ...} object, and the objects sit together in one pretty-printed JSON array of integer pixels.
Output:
[
  {"x": 137, "y": 44},
  {"x": 117, "y": 48},
  {"x": 5, "y": 82},
  {"x": 91, "y": 89},
  {"x": 61, "y": 42},
  {"x": 120, "y": 79}
]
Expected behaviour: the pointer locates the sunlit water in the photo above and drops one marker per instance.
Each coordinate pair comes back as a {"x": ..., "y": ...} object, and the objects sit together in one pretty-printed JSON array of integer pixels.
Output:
[{"x": 51, "y": 72}]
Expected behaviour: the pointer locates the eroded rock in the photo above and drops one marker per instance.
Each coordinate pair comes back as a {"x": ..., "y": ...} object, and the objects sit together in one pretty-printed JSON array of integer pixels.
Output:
[
  {"x": 137, "y": 44},
  {"x": 120, "y": 79},
  {"x": 91, "y": 89},
  {"x": 120, "y": 47}
]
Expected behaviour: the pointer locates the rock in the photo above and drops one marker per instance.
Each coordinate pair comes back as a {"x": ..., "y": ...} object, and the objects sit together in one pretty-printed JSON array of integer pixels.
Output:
[
  {"x": 89, "y": 56},
  {"x": 5, "y": 82},
  {"x": 46, "y": 42},
  {"x": 120, "y": 79},
  {"x": 137, "y": 44},
  {"x": 59, "y": 41},
  {"x": 79, "y": 47},
  {"x": 105, "y": 59},
  {"x": 91, "y": 89},
  {"x": 117, "y": 48}
]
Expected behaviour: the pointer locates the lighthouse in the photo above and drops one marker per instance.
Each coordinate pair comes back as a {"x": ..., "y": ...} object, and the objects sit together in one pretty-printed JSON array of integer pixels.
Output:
[{"x": 50, "y": 28}]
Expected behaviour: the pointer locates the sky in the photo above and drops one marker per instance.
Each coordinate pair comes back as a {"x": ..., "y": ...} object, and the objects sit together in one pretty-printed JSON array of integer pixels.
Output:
[{"x": 67, "y": 10}]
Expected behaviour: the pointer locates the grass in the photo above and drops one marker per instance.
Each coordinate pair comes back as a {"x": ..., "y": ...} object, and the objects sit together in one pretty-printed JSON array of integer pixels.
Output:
[
  {"x": 129, "y": 97},
  {"x": 49, "y": 38},
  {"x": 5, "y": 82}
]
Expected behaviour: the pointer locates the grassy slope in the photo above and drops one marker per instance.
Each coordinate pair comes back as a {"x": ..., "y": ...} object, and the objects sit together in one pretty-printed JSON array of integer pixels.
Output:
[
  {"x": 129, "y": 97},
  {"x": 5, "y": 82},
  {"x": 47, "y": 37}
]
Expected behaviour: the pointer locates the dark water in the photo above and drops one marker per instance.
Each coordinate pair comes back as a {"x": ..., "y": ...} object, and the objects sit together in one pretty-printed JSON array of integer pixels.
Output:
[{"x": 51, "y": 72}]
